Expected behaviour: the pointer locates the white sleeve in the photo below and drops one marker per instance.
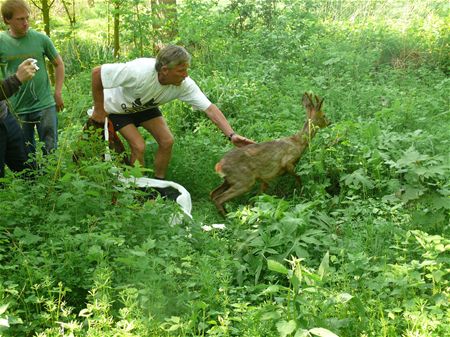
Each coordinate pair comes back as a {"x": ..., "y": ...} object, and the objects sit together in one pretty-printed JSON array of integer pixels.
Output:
[
  {"x": 194, "y": 96},
  {"x": 118, "y": 75}
]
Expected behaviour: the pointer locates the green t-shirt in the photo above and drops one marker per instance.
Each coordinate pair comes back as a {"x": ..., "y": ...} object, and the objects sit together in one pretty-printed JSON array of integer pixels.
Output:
[{"x": 35, "y": 94}]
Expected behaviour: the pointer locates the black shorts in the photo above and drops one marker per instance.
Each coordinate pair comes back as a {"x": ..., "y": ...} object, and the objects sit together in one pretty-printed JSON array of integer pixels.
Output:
[{"x": 137, "y": 118}]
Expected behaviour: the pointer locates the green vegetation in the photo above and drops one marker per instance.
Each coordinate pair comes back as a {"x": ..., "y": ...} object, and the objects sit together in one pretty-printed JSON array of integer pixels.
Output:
[{"x": 360, "y": 249}]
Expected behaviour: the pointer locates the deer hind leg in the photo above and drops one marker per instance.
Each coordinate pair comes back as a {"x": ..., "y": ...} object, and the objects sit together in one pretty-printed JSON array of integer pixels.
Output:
[
  {"x": 298, "y": 179},
  {"x": 228, "y": 191},
  {"x": 219, "y": 190},
  {"x": 216, "y": 193}
]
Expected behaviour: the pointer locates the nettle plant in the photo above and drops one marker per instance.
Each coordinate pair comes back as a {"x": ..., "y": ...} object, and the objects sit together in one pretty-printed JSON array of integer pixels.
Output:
[
  {"x": 413, "y": 286},
  {"x": 295, "y": 307},
  {"x": 276, "y": 229},
  {"x": 405, "y": 168}
]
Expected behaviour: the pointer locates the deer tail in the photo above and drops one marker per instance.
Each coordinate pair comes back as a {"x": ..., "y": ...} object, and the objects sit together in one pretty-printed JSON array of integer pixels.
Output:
[{"x": 218, "y": 169}]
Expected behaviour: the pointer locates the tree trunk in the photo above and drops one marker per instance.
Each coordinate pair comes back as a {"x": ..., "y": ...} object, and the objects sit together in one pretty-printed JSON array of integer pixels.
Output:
[
  {"x": 71, "y": 16},
  {"x": 140, "y": 43},
  {"x": 116, "y": 14},
  {"x": 164, "y": 22},
  {"x": 44, "y": 7}
]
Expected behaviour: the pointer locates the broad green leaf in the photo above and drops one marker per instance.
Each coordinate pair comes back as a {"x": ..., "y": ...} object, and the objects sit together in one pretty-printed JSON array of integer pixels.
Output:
[
  {"x": 295, "y": 283},
  {"x": 149, "y": 244},
  {"x": 302, "y": 333},
  {"x": 273, "y": 288},
  {"x": 286, "y": 328},
  {"x": 411, "y": 156},
  {"x": 437, "y": 275},
  {"x": 66, "y": 177},
  {"x": 3, "y": 308},
  {"x": 85, "y": 313},
  {"x": 174, "y": 327},
  {"x": 358, "y": 179},
  {"x": 26, "y": 237},
  {"x": 277, "y": 267},
  {"x": 324, "y": 265},
  {"x": 440, "y": 202},
  {"x": 271, "y": 315},
  {"x": 94, "y": 252},
  {"x": 4, "y": 322},
  {"x": 311, "y": 240},
  {"x": 136, "y": 252},
  {"x": 322, "y": 332},
  {"x": 411, "y": 193},
  {"x": 343, "y": 297}
]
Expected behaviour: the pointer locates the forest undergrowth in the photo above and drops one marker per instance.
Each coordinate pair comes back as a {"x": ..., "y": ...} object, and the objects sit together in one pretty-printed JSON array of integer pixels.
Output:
[{"x": 360, "y": 248}]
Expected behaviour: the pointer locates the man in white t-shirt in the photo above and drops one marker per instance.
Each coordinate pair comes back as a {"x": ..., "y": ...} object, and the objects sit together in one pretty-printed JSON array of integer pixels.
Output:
[{"x": 130, "y": 93}]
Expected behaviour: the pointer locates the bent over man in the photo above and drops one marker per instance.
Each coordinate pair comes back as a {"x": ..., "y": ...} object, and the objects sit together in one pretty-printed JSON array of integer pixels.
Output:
[{"x": 131, "y": 92}]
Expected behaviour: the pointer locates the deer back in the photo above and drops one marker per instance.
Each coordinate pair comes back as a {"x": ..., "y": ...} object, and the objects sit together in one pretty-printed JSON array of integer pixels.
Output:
[{"x": 260, "y": 161}]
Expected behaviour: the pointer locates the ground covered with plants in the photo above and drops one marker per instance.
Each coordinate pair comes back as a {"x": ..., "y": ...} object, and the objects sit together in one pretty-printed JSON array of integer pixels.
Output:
[{"x": 361, "y": 248}]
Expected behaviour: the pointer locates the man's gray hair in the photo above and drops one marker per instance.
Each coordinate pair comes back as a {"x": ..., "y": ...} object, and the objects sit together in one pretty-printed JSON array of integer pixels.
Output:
[{"x": 172, "y": 56}]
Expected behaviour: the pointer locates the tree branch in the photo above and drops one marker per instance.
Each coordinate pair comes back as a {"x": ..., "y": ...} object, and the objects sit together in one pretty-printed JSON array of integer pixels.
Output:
[{"x": 36, "y": 5}]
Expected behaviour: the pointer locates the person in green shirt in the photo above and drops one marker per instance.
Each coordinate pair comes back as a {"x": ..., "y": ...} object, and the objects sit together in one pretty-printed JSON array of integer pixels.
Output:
[{"x": 35, "y": 104}]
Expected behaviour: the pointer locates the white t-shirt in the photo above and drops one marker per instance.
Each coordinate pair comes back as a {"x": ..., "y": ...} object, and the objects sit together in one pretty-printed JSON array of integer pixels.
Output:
[{"x": 133, "y": 86}]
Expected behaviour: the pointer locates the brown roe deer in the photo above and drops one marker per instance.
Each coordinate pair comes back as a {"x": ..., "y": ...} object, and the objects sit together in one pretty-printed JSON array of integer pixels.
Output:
[{"x": 242, "y": 167}]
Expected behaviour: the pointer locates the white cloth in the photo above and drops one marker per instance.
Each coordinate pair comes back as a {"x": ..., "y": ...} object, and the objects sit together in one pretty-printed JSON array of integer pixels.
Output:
[
  {"x": 133, "y": 86},
  {"x": 184, "y": 199}
]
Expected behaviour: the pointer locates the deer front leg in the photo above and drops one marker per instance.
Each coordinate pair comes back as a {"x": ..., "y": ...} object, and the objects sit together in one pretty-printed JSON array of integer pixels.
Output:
[
  {"x": 290, "y": 168},
  {"x": 263, "y": 186}
]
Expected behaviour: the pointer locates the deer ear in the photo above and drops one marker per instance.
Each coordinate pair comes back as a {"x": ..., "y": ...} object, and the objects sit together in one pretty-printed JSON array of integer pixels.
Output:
[
  {"x": 319, "y": 106},
  {"x": 305, "y": 99},
  {"x": 317, "y": 99}
]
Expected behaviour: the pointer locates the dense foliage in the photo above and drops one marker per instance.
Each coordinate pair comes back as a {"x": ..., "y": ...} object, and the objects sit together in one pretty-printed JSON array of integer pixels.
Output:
[{"x": 361, "y": 248}]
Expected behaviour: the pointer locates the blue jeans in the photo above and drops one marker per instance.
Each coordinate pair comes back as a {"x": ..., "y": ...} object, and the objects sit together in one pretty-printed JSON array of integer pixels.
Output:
[
  {"x": 12, "y": 145},
  {"x": 46, "y": 122}
]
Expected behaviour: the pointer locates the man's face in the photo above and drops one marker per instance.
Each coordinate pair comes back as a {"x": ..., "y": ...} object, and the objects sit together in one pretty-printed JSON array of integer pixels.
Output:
[
  {"x": 18, "y": 24},
  {"x": 175, "y": 75}
]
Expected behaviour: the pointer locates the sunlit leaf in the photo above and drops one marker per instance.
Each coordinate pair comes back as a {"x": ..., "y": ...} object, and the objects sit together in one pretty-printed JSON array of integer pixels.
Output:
[
  {"x": 277, "y": 267},
  {"x": 302, "y": 333},
  {"x": 343, "y": 297},
  {"x": 3, "y": 308},
  {"x": 324, "y": 265},
  {"x": 286, "y": 328},
  {"x": 273, "y": 288},
  {"x": 321, "y": 332}
]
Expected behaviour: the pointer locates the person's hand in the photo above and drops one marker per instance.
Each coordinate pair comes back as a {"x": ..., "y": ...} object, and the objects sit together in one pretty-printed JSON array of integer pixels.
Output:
[
  {"x": 26, "y": 71},
  {"x": 59, "y": 102},
  {"x": 99, "y": 116},
  {"x": 240, "y": 141}
]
